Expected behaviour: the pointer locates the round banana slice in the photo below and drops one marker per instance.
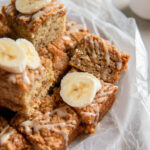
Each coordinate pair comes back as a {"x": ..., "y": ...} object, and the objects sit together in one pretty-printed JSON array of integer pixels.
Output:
[
  {"x": 33, "y": 59},
  {"x": 12, "y": 57},
  {"x": 78, "y": 89},
  {"x": 97, "y": 81},
  {"x": 30, "y": 6}
]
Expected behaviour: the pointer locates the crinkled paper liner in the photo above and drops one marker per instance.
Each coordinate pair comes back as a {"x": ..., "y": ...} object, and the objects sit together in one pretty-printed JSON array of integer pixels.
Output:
[{"x": 127, "y": 125}]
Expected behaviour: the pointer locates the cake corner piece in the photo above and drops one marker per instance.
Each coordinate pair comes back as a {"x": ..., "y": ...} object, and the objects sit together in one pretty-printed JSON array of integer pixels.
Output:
[
  {"x": 99, "y": 57},
  {"x": 22, "y": 92},
  {"x": 10, "y": 139},
  {"x": 58, "y": 124},
  {"x": 40, "y": 27}
]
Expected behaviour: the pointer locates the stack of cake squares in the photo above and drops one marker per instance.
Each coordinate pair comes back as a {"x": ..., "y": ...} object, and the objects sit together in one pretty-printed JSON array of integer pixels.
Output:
[{"x": 42, "y": 120}]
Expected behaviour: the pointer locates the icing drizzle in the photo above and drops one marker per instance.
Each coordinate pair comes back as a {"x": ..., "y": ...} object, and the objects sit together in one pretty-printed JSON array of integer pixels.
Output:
[
  {"x": 107, "y": 56},
  {"x": 37, "y": 125},
  {"x": 4, "y": 135},
  {"x": 102, "y": 96}
]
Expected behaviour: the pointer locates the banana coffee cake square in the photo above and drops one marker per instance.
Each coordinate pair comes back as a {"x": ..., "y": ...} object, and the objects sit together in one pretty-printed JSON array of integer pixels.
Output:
[
  {"x": 39, "y": 21},
  {"x": 50, "y": 130},
  {"x": 25, "y": 77},
  {"x": 10, "y": 139},
  {"x": 99, "y": 57}
]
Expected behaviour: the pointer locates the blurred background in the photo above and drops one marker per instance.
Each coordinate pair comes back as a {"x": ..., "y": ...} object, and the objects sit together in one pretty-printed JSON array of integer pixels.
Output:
[{"x": 143, "y": 24}]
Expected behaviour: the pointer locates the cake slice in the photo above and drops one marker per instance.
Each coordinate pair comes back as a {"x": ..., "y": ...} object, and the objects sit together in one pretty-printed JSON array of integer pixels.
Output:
[
  {"x": 41, "y": 26},
  {"x": 91, "y": 114},
  {"x": 69, "y": 40},
  {"x": 49, "y": 130},
  {"x": 60, "y": 60},
  {"x": 22, "y": 91},
  {"x": 10, "y": 139},
  {"x": 100, "y": 58}
]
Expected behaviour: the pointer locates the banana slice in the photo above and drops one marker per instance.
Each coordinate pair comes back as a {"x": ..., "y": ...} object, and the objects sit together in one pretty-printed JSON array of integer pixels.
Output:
[
  {"x": 78, "y": 89},
  {"x": 33, "y": 60},
  {"x": 97, "y": 81},
  {"x": 30, "y": 6},
  {"x": 12, "y": 57}
]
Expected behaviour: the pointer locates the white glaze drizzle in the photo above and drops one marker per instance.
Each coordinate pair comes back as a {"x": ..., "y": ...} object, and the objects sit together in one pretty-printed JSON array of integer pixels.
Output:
[
  {"x": 42, "y": 68},
  {"x": 41, "y": 71},
  {"x": 12, "y": 78},
  {"x": 104, "y": 74},
  {"x": 47, "y": 9},
  {"x": 38, "y": 74},
  {"x": 36, "y": 71},
  {"x": 37, "y": 125},
  {"x": 93, "y": 104},
  {"x": 27, "y": 124},
  {"x": 107, "y": 56},
  {"x": 66, "y": 38},
  {"x": 62, "y": 112},
  {"x": 71, "y": 44},
  {"x": 94, "y": 54},
  {"x": 119, "y": 65},
  {"x": 106, "y": 93},
  {"x": 74, "y": 28},
  {"x": 87, "y": 36},
  {"x": 4, "y": 130},
  {"x": 92, "y": 43},
  {"x": 26, "y": 78},
  {"x": 4, "y": 136},
  {"x": 97, "y": 49},
  {"x": 88, "y": 114},
  {"x": 97, "y": 115},
  {"x": 25, "y": 17},
  {"x": 69, "y": 23},
  {"x": 101, "y": 99},
  {"x": 103, "y": 95}
]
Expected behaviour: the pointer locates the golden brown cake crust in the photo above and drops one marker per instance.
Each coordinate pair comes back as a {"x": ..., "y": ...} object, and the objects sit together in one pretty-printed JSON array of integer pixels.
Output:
[
  {"x": 48, "y": 104},
  {"x": 34, "y": 20},
  {"x": 99, "y": 57},
  {"x": 22, "y": 92},
  {"x": 41, "y": 27},
  {"x": 42, "y": 121},
  {"x": 10, "y": 139},
  {"x": 20, "y": 78},
  {"x": 92, "y": 114},
  {"x": 51, "y": 130},
  {"x": 60, "y": 60}
]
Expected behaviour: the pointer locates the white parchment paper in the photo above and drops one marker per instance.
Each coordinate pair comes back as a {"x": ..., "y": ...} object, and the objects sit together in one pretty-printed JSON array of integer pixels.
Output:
[{"x": 127, "y": 125}]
